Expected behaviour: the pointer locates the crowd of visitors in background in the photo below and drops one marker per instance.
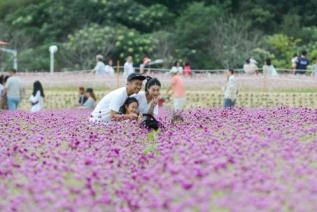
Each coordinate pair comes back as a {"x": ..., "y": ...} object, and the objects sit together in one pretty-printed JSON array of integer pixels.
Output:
[
  {"x": 12, "y": 92},
  {"x": 128, "y": 102}
]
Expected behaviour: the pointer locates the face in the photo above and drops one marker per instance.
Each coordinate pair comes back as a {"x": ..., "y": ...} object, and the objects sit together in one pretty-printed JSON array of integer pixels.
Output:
[
  {"x": 130, "y": 59},
  {"x": 154, "y": 91},
  {"x": 132, "y": 107},
  {"x": 134, "y": 86},
  {"x": 82, "y": 92},
  {"x": 110, "y": 62},
  {"x": 87, "y": 94}
]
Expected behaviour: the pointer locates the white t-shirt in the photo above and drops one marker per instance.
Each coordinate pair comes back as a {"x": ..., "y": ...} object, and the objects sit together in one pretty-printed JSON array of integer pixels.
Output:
[
  {"x": 143, "y": 104},
  {"x": 90, "y": 103},
  {"x": 39, "y": 100},
  {"x": 250, "y": 68},
  {"x": 100, "y": 68},
  {"x": 111, "y": 102},
  {"x": 109, "y": 70},
  {"x": 128, "y": 69}
]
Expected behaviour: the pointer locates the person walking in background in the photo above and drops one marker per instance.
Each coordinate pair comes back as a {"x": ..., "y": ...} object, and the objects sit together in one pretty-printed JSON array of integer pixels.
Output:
[
  {"x": 302, "y": 63},
  {"x": 128, "y": 67},
  {"x": 177, "y": 68},
  {"x": 230, "y": 90},
  {"x": 314, "y": 69},
  {"x": 14, "y": 90},
  {"x": 178, "y": 90},
  {"x": 4, "y": 102},
  {"x": 100, "y": 68},
  {"x": 109, "y": 69},
  {"x": 187, "y": 69},
  {"x": 146, "y": 62},
  {"x": 91, "y": 99},
  {"x": 1, "y": 89},
  {"x": 268, "y": 69},
  {"x": 82, "y": 97},
  {"x": 294, "y": 61},
  {"x": 250, "y": 68},
  {"x": 37, "y": 97}
]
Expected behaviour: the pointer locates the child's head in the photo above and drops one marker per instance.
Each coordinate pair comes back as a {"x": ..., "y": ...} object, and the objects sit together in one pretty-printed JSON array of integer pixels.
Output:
[
  {"x": 130, "y": 106},
  {"x": 81, "y": 90},
  {"x": 90, "y": 93}
]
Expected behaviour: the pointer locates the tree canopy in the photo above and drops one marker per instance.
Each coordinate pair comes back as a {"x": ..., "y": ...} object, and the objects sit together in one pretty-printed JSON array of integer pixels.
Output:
[{"x": 208, "y": 33}]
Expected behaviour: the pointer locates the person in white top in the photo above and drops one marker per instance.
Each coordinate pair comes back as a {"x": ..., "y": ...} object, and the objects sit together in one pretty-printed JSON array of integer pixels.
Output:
[
  {"x": 250, "y": 68},
  {"x": 37, "y": 97},
  {"x": 91, "y": 99},
  {"x": 100, "y": 67},
  {"x": 109, "y": 107},
  {"x": 128, "y": 67},
  {"x": 14, "y": 90},
  {"x": 177, "y": 68},
  {"x": 231, "y": 90},
  {"x": 294, "y": 62},
  {"x": 109, "y": 69},
  {"x": 148, "y": 99},
  {"x": 268, "y": 69}
]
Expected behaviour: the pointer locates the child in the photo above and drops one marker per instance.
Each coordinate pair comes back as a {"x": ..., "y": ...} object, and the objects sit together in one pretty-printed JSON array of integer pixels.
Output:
[
  {"x": 130, "y": 106},
  {"x": 91, "y": 99},
  {"x": 82, "y": 97},
  {"x": 37, "y": 98}
]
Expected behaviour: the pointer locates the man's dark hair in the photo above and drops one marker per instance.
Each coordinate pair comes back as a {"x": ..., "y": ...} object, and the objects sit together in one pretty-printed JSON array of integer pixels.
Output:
[
  {"x": 13, "y": 70},
  {"x": 231, "y": 70},
  {"x": 304, "y": 52}
]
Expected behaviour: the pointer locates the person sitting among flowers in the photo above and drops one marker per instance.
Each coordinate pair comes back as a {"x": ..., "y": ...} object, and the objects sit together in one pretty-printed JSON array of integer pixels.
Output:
[{"x": 109, "y": 107}]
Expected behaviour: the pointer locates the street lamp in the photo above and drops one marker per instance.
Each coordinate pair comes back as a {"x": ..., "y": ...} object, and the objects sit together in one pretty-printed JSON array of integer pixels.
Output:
[{"x": 53, "y": 49}]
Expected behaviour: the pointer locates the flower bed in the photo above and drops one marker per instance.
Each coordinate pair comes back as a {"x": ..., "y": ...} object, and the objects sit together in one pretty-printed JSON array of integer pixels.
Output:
[{"x": 237, "y": 160}]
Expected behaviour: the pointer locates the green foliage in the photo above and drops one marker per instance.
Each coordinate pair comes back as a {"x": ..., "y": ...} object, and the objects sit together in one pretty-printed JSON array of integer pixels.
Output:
[
  {"x": 283, "y": 48},
  {"x": 209, "y": 33},
  {"x": 116, "y": 42}
]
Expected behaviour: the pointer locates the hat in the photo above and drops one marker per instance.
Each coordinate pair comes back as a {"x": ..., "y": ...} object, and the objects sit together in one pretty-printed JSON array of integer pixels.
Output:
[{"x": 136, "y": 76}]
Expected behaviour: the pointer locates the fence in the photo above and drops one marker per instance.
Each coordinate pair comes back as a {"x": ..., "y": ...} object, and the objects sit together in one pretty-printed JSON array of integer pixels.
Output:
[{"x": 202, "y": 98}]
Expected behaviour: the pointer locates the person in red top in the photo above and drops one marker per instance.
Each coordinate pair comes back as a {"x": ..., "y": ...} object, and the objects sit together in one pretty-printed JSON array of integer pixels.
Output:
[{"x": 187, "y": 69}]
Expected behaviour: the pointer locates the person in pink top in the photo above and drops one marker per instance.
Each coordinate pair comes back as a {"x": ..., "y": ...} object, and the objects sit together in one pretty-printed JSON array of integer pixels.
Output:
[
  {"x": 178, "y": 90},
  {"x": 187, "y": 69}
]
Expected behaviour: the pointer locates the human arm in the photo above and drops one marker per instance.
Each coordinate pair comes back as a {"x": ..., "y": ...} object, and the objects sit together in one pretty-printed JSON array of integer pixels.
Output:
[{"x": 120, "y": 117}]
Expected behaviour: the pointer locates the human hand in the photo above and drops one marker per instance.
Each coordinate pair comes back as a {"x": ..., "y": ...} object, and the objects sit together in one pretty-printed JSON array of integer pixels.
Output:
[{"x": 132, "y": 116}]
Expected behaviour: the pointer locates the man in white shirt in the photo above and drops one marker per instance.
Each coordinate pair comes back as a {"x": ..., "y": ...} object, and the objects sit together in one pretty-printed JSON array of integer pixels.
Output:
[
  {"x": 14, "y": 90},
  {"x": 100, "y": 67},
  {"x": 231, "y": 90},
  {"x": 250, "y": 68},
  {"x": 128, "y": 67},
  {"x": 108, "y": 108}
]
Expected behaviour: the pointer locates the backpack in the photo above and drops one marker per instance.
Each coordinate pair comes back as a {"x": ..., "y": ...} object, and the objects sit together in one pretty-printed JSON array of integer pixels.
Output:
[{"x": 150, "y": 122}]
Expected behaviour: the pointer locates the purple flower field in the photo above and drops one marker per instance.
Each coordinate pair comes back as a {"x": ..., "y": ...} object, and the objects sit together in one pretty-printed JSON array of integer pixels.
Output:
[{"x": 216, "y": 160}]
